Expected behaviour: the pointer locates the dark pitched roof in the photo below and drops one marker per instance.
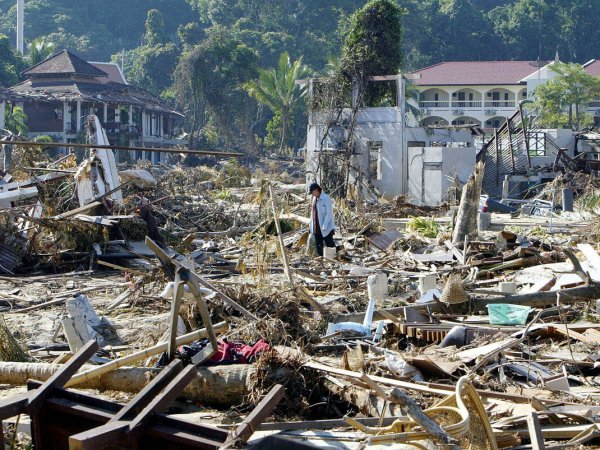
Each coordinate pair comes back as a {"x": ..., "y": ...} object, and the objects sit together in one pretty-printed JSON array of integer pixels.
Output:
[
  {"x": 70, "y": 90},
  {"x": 474, "y": 72},
  {"x": 112, "y": 70},
  {"x": 64, "y": 62}
]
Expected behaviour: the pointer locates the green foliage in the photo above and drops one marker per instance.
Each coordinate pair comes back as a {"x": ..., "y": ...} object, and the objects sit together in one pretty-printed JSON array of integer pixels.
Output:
[
  {"x": 424, "y": 227},
  {"x": 300, "y": 27},
  {"x": 209, "y": 79},
  {"x": 277, "y": 89},
  {"x": 588, "y": 202},
  {"x": 373, "y": 43},
  {"x": 234, "y": 175},
  {"x": 150, "y": 67},
  {"x": 10, "y": 63},
  {"x": 155, "y": 28},
  {"x": 15, "y": 120},
  {"x": 39, "y": 49},
  {"x": 224, "y": 194},
  {"x": 93, "y": 29},
  {"x": 190, "y": 34},
  {"x": 563, "y": 100}
]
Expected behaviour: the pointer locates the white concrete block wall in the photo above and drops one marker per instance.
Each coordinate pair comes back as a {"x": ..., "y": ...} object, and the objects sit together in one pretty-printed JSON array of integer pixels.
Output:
[{"x": 431, "y": 171}]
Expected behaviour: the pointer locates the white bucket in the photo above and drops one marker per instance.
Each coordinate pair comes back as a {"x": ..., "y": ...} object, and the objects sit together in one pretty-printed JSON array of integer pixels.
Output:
[
  {"x": 507, "y": 287},
  {"x": 427, "y": 282},
  {"x": 377, "y": 286},
  {"x": 329, "y": 252}
]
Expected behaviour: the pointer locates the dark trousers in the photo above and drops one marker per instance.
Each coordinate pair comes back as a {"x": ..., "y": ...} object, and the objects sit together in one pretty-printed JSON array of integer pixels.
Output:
[{"x": 329, "y": 242}]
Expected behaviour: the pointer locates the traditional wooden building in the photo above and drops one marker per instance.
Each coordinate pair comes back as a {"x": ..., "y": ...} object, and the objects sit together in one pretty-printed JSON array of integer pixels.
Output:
[{"x": 61, "y": 91}]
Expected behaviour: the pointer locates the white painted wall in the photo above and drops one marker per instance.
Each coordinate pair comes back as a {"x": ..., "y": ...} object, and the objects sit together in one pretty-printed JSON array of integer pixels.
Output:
[
  {"x": 563, "y": 138},
  {"x": 384, "y": 125},
  {"x": 431, "y": 171}
]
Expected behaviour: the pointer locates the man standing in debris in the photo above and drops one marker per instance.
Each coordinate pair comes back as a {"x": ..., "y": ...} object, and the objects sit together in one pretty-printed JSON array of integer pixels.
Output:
[{"x": 322, "y": 226}]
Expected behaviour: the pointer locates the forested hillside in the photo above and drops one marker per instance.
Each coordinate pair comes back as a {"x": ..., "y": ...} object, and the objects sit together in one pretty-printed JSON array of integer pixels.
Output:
[{"x": 184, "y": 50}]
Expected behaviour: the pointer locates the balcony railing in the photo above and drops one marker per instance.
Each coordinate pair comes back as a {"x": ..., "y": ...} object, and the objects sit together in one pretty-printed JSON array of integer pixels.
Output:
[
  {"x": 434, "y": 104},
  {"x": 594, "y": 104},
  {"x": 466, "y": 104},
  {"x": 500, "y": 104}
]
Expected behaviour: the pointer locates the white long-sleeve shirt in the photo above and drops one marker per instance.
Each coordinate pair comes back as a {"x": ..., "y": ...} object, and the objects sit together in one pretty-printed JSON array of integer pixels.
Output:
[{"x": 324, "y": 213}]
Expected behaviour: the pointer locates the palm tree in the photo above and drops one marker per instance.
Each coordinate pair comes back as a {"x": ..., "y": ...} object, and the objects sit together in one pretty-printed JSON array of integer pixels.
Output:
[
  {"x": 412, "y": 93},
  {"x": 276, "y": 88},
  {"x": 16, "y": 120},
  {"x": 39, "y": 50}
]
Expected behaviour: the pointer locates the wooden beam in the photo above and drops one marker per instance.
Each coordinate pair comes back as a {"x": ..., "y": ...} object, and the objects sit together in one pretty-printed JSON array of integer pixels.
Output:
[
  {"x": 107, "y": 435},
  {"x": 120, "y": 147},
  {"x": 535, "y": 431},
  {"x": 171, "y": 263},
  {"x": 166, "y": 397},
  {"x": 61, "y": 377},
  {"x": 245, "y": 430},
  {"x": 175, "y": 305},
  {"x": 137, "y": 403}
]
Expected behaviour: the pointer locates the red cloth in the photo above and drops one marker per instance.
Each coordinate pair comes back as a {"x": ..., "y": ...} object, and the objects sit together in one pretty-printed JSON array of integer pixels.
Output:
[{"x": 238, "y": 352}]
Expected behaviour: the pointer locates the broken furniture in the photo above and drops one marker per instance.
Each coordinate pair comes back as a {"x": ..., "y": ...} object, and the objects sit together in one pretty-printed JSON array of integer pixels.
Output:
[{"x": 64, "y": 419}]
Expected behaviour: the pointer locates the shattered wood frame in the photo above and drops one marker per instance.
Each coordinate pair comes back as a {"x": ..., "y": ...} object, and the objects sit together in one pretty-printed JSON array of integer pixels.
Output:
[
  {"x": 182, "y": 273},
  {"x": 63, "y": 419}
]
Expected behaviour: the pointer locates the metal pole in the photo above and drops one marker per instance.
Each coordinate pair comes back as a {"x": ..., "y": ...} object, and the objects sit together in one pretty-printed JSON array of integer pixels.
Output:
[{"x": 20, "y": 20}]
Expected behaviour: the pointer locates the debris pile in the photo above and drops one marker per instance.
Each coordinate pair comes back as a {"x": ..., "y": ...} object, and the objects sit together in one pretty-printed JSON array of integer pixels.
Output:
[{"x": 163, "y": 306}]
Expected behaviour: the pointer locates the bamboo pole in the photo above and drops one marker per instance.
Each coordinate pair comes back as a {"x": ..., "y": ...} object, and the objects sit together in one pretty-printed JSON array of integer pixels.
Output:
[{"x": 137, "y": 356}]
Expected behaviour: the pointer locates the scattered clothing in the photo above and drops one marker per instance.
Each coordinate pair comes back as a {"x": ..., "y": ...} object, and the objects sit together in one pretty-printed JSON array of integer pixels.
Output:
[{"x": 227, "y": 352}]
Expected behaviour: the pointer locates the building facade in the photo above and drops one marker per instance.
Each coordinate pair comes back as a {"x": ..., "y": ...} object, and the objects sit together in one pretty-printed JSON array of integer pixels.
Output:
[
  {"x": 482, "y": 93},
  {"x": 61, "y": 91}
]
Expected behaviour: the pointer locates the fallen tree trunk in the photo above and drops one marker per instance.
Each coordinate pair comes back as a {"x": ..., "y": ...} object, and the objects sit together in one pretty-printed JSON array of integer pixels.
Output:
[
  {"x": 466, "y": 218},
  {"x": 540, "y": 299},
  {"x": 214, "y": 386}
]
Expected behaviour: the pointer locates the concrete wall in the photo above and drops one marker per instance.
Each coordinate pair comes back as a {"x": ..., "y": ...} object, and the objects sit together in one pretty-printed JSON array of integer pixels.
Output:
[
  {"x": 563, "y": 138},
  {"x": 373, "y": 125},
  {"x": 431, "y": 171},
  {"x": 384, "y": 125}
]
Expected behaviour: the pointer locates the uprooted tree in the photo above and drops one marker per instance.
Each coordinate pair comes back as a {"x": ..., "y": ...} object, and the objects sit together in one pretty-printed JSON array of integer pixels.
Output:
[{"x": 372, "y": 46}]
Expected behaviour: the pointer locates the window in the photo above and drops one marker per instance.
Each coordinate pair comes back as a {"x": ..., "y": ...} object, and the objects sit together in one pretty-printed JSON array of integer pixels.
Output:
[{"x": 374, "y": 148}]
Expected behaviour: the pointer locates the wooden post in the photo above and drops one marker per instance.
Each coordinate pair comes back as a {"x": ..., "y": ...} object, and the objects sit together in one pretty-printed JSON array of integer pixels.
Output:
[
  {"x": 286, "y": 264},
  {"x": 535, "y": 431},
  {"x": 510, "y": 144},
  {"x": 466, "y": 218},
  {"x": 175, "y": 304}
]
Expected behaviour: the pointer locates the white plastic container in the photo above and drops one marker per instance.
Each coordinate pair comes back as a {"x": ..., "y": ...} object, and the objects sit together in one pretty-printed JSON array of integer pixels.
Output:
[
  {"x": 329, "y": 252},
  {"x": 507, "y": 287},
  {"x": 427, "y": 282},
  {"x": 377, "y": 286}
]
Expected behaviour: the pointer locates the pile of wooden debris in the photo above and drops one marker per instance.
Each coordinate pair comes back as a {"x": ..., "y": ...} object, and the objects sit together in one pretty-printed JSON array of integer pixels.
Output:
[{"x": 172, "y": 307}]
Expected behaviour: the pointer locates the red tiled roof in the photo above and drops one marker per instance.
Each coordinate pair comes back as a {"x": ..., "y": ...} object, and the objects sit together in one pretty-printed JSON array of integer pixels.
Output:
[
  {"x": 475, "y": 72},
  {"x": 593, "y": 68}
]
